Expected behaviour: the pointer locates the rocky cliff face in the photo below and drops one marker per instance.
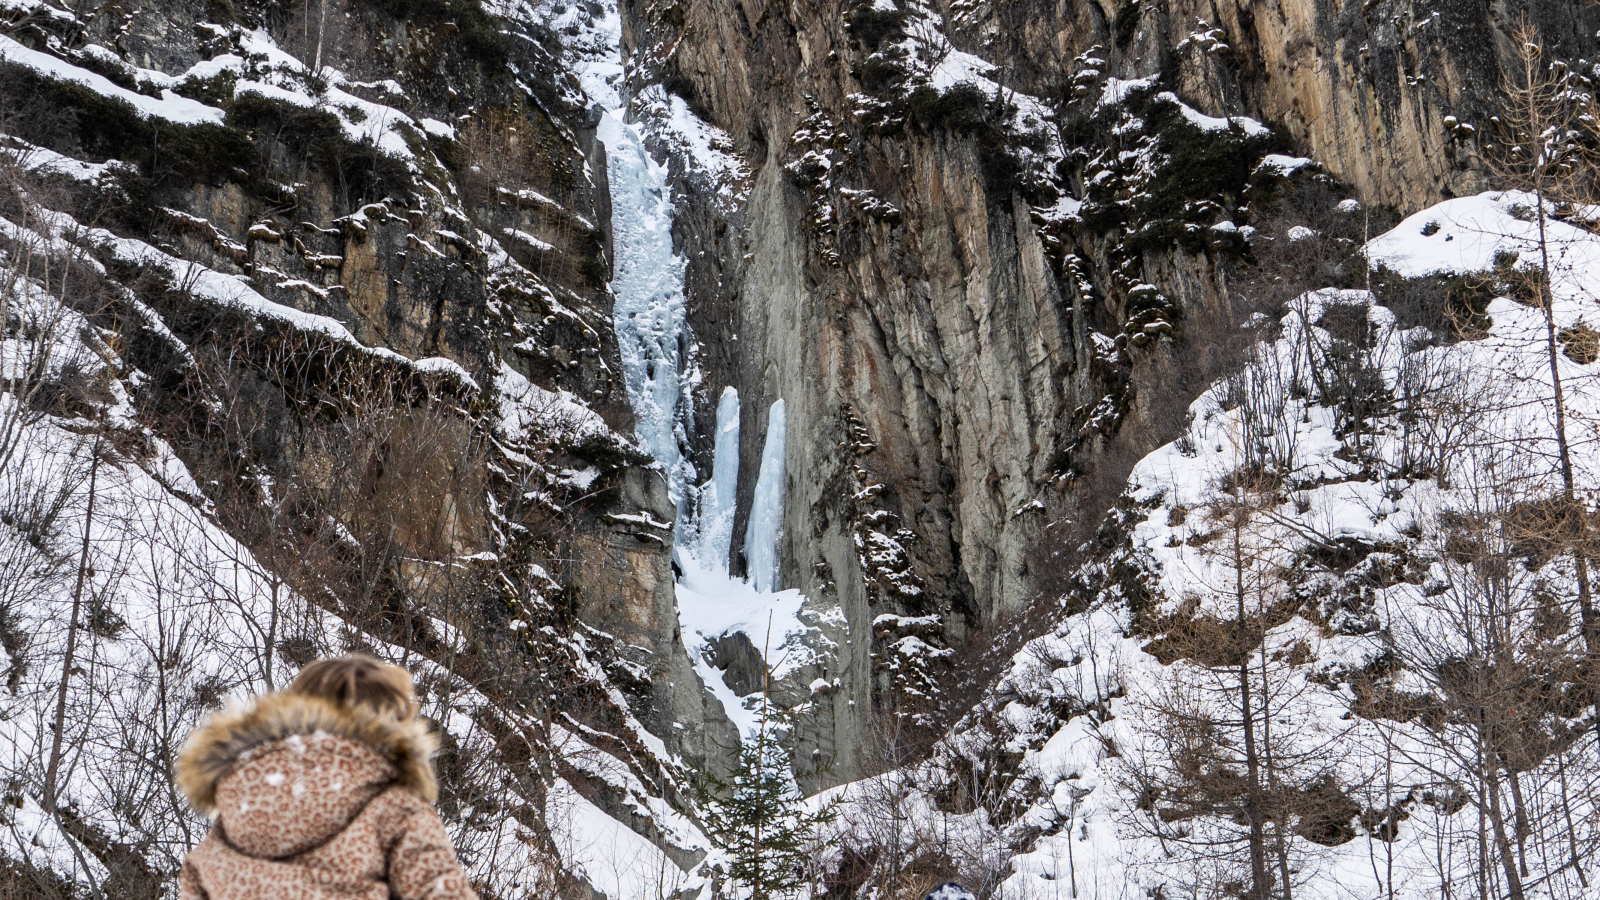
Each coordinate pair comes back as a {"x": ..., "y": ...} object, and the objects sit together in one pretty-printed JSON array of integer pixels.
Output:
[
  {"x": 347, "y": 264},
  {"x": 1363, "y": 88},
  {"x": 978, "y": 302}
]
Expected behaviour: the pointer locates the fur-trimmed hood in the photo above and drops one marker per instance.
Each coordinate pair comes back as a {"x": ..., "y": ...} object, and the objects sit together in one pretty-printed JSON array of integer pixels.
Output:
[{"x": 246, "y": 731}]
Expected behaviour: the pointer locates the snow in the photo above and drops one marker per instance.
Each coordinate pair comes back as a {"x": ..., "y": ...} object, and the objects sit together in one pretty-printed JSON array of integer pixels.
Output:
[
  {"x": 362, "y": 120},
  {"x": 943, "y": 66},
  {"x": 267, "y": 70},
  {"x": 439, "y": 365},
  {"x": 578, "y": 479},
  {"x": 222, "y": 289},
  {"x": 615, "y": 859},
  {"x": 207, "y": 69},
  {"x": 1285, "y": 165},
  {"x": 48, "y": 162},
  {"x": 437, "y": 128},
  {"x": 525, "y": 406},
  {"x": 591, "y": 44},
  {"x": 1067, "y": 207},
  {"x": 642, "y": 518},
  {"x": 194, "y": 619},
  {"x": 1213, "y": 124},
  {"x": 1467, "y": 234},
  {"x": 712, "y": 605},
  {"x": 706, "y": 147},
  {"x": 1117, "y": 89},
  {"x": 526, "y": 238},
  {"x": 169, "y": 106},
  {"x": 228, "y": 290},
  {"x": 765, "y": 530}
]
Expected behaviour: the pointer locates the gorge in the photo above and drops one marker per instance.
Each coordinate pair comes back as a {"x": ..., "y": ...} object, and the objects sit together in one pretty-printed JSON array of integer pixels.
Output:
[{"x": 636, "y": 371}]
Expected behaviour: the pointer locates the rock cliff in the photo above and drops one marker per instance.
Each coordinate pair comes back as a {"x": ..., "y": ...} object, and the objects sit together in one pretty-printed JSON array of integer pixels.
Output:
[
  {"x": 978, "y": 302},
  {"x": 344, "y": 268}
]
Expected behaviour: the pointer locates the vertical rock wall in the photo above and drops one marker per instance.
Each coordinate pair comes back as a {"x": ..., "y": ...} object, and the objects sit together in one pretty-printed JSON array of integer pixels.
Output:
[{"x": 943, "y": 343}]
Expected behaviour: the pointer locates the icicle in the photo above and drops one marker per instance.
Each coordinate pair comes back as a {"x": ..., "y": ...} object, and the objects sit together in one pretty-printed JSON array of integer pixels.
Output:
[
  {"x": 717, "y": 501},
  {"x": 766, "y": 510}
]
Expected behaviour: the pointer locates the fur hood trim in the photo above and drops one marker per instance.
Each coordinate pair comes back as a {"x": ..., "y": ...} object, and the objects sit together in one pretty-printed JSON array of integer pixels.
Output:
[{"x": 214, "y": 747}]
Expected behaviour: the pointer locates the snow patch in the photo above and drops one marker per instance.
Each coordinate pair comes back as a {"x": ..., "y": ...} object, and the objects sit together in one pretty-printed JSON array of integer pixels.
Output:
[{"x": 169, "y": 106}]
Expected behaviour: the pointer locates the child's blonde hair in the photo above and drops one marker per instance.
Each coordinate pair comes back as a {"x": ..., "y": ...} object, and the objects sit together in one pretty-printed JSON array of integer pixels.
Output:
[{"x": 356, "y": 680}]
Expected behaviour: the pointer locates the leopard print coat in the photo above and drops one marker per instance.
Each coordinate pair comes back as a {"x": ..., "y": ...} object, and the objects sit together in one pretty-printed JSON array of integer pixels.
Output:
[{"x": 311, "y": 801}]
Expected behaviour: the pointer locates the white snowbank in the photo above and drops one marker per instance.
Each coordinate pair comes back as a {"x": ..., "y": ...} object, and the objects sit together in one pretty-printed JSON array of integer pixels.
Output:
[
  {"x": 169, "y": 106},
  {"x": 1091, "y": 661},
  {"x": 711, "y": 605}
]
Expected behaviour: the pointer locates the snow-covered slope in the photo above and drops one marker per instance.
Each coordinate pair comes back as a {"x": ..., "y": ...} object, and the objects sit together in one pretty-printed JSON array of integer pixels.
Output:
[
  {"x": 373, "y": 333},
  {"x": 112, "y": 555},
  {"x": 1347, "y": 507}
]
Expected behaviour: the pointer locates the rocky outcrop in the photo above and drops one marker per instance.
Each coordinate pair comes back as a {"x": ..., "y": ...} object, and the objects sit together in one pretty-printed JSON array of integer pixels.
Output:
[
  {"x": 1362, "y": 87},
  {"x": 355, "y": 272}
]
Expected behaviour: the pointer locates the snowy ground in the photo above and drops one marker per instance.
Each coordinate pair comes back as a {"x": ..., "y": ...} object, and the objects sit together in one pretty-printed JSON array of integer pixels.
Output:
[{"x": 177, "y": 617}]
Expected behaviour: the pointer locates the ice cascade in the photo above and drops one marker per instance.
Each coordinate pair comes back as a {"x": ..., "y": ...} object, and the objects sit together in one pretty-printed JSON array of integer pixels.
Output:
[
  {"x": 650, "y": 315},
  {"x": 766, "y": 510},
  {"x": 718, "y": 496}
]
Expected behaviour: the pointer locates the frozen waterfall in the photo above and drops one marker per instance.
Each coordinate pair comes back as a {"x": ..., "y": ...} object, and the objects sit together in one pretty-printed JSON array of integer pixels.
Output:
[
  {"x": 718, "y": 497},
  {"x": 652, "y": 328},
  {"x": 653, "y": 335},
  {"x": 766, "y": 510}
]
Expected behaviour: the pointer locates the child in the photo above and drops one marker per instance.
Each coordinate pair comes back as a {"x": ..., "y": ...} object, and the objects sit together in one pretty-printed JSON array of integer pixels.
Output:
[{"x": 322, "y": 791}]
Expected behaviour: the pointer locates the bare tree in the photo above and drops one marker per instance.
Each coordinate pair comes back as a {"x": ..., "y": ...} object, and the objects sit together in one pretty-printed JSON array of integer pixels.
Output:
[
  {"x": 1489, "y": 643},
  {"x": 1545, "y": 146}
]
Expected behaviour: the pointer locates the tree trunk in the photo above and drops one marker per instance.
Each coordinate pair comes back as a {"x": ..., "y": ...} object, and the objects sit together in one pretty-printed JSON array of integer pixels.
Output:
[
  {"x": 1589, "y": 621},
  {"x": 1280, "y": 823},
  {"x": 53, "y": 767},
  {"x": 1519, "y": 812},
  {"x": 1259, "y": 880},
  {"x": 1502, "y": 842}
]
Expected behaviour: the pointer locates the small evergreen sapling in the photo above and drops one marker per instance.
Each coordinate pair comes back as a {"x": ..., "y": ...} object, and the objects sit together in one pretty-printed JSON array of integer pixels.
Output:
[{"x": 759, "y": 818}]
